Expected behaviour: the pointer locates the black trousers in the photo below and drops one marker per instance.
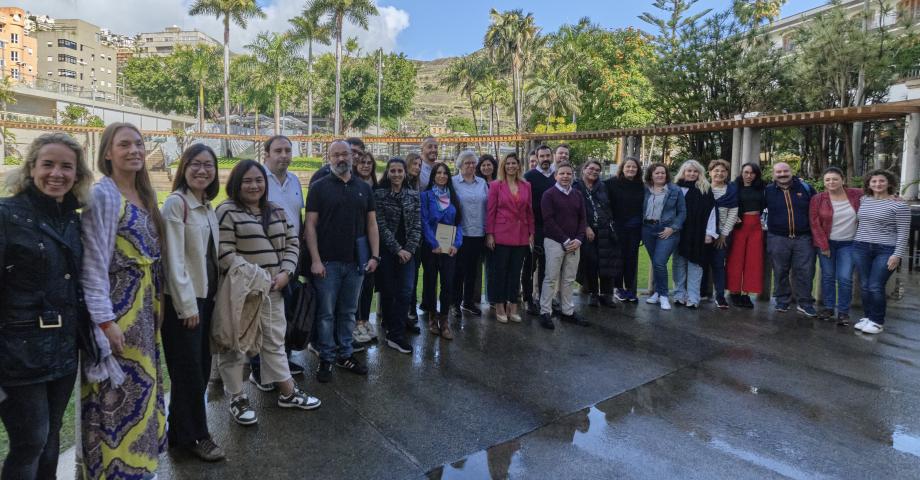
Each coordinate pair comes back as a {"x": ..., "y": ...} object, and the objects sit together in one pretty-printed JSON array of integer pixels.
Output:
[
  {"x": 534, "y": 263},
  {"x": 504, "y": 272},
  {"x": 366, "y": 297},
  {"x": 395, "y": 284},
  {"x": 437, "y": 265},
  {"x": 469, "y": 258},
  {"x": 188, "y": 360},
  {"x": 32, "y": 415},
  {"x": 629, "y": 238},
  {"x": 587, "y": 271}
]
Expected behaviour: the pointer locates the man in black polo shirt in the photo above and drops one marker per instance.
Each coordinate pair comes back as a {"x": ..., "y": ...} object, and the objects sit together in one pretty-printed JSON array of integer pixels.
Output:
[
  {"x": 541, "y": 179},
  {"x": 357, "y": 151},
  {"x": 341, "y": 235}
]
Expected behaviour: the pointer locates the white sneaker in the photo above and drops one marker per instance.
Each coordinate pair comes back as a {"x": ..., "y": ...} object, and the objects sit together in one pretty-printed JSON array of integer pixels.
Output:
[
  {"x": 861, "y": 323},
  {"x": 360, "y": 334},
  {"x": 872, "y": 328},
  {"x": 653, "y": 299},
  {"x": 665, "y": 304},
  {"x": 371, "y": 328},
  {"x": 312, "y": 349}
]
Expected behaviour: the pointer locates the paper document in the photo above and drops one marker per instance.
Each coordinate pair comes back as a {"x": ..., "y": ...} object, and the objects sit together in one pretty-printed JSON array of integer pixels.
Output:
[{"x": 445, "y": 236}]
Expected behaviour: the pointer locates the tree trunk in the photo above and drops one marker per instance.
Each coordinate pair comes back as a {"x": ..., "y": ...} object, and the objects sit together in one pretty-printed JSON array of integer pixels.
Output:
[
  {"x": 277, "y": 112},
  {"x": 338, "y": 75},
  {"x": 227, "y": 151},
  {"x": 200, "y": 107},
  {"x": 847, "y": 133},
  {"x": 310, "y": 99}
]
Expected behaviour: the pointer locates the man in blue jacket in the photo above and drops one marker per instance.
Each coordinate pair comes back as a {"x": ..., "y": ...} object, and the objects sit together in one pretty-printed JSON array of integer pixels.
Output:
[{"x": 789, "y": 240}]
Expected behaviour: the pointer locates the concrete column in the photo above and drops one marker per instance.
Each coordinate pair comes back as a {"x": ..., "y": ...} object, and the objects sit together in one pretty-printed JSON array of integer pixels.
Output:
[
  {"x": 910, "y": 160},
  {"x": 621, "y": 150},
  {"x": 737, "y": 146},
  {"x": 750, "y": 151}
]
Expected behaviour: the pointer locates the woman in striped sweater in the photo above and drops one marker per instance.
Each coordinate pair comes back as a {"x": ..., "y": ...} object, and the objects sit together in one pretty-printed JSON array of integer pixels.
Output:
[
  {"x": 257, "y": 231},
  {"x": 726, "y": 196},
  {"x": 880, "y": 244}
]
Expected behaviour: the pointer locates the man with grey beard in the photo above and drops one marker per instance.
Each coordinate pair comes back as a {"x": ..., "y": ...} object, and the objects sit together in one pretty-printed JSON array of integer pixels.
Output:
[{"x": 341, "y": 235}]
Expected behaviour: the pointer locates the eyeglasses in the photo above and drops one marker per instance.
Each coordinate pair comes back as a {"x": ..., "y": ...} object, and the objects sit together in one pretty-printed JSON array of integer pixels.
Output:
[{"x": 201, "y": 166}]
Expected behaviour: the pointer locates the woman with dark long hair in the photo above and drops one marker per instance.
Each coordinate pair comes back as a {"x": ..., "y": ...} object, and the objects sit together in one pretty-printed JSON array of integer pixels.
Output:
[
  {"x": 440, "y": 208},
  {"x": 41, "y": 304},
  {"x": 487, "y": 168},
  {"x": 744, "y": 272},
  {"x": 191, "y": 236},
  {"x": 122, "y": 282},
  {"x": 627, "y": 193},
  {"x": 254, "y": 234},
  {"x": 365, "y": 168},
  {"x": 400, "y": 232},
  {"x": 600, "y": 255}
]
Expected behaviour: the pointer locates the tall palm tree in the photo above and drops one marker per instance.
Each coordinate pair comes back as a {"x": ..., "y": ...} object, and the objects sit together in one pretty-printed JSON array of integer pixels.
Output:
[
  {"x": 355, "y": 11},
  {"x": 273, "y": 63},
  {"x": 239, "y": 11},
  {"x": 552, "y": 96},
  {"x": 308, "y": 29},
  {"x": 465, "y": 74},
  {"x": 494, "y": 92},
  {"x": 512, "y": 36},
  {"x": 201, "y": 63}
]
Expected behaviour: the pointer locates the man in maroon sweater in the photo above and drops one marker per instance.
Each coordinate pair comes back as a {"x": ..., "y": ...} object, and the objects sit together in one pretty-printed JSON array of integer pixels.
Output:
[{"x": 564, "y": 226}]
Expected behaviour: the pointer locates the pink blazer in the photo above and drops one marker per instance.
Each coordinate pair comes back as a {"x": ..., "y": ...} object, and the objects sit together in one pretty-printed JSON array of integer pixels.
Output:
[{"x": 509, "y": 218}]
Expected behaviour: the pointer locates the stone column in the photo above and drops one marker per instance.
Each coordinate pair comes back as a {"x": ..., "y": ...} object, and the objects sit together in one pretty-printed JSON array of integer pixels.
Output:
[
  {"x": 750, "y": 151},
  {"x": 621, "y": 150},
  {"x": 737, "y": 146},
  {"x": 910, "y": 160}
]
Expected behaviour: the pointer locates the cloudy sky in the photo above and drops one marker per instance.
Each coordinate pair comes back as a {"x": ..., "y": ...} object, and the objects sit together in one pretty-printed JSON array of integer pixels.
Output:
[{"x": 423, "y": 29}]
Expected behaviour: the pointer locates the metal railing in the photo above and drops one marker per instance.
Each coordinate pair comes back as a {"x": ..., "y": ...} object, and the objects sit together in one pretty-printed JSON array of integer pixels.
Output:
[
  {"x": 910, "y": 74},
  {"x": 54, "y": 86}
]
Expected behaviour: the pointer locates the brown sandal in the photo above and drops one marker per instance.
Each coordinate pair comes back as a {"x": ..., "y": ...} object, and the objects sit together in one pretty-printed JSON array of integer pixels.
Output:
[{"x": 446, "y": 334}]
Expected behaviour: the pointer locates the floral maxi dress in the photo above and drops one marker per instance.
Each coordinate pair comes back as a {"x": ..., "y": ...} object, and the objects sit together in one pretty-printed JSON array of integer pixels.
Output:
[{"x": 123, "y": 427}]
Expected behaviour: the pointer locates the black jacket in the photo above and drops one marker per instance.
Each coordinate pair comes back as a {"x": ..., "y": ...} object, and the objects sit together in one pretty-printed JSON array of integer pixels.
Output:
[
  {"x": 40, "y": 255},
  {"x": 391, "y": 210},
  {"x": 600, "y": 219}
]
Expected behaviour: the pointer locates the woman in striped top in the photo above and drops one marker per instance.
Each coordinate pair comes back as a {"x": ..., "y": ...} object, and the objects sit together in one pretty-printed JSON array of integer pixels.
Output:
[
  {"x": 253, "y": 228},
  {"x": 880, "y": 244},
  {"x": 726, "y": 196}
]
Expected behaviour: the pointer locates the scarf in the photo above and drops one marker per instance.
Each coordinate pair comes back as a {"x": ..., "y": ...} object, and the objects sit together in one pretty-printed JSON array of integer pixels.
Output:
[
  {"x": 443, "y": 195},
  {"x": 730, "y": 198}
]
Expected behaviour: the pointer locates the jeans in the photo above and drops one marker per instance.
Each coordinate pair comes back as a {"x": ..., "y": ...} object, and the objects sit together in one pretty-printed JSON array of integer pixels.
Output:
[
  {"x": 336, "y": 303},
  {"x": 659, "y": 251},
  {"x": 437, "y": 264},
  {"x": 872, "y": 261},
  {"x": 504, "y": 272},
  {"x": 687, "y": 278},
  {"x": 469, "y": 258},
  {"x": 837, "y": 276},
  {"x": 32, "y": 415},
  {"x": 561, "y": 268},
  {"x": 395, "y": 285},
  {"x": 629, "y": 238},
  {"x": 793, "y": 257},
  {"x": 188, "y": 360}
]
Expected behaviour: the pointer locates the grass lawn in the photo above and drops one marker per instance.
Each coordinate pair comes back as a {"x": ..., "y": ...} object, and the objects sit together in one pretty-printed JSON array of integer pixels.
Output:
[{"x": 67, "y": 431}]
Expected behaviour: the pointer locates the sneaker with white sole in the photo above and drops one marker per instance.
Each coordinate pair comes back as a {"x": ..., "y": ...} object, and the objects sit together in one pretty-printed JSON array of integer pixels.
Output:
[
  {"x": 872, "y": 328},
  {"x": 400, "y": 345},
  {"x": 265, "y": 387},
  {"x": 861, "y": 323},
  {"x": 298, "y": 399},
  {"x": 621, "y": 295},
  {"x": 665, "y": 304},
  {"x": 653, "y": 299},
  {"x": 361, "y": 334},
  {"x": 312, "y": 349},
  {"x": 241, "y": 411}
]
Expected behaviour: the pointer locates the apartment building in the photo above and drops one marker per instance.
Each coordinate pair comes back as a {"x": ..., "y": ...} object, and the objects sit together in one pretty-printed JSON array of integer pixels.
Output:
[
  {"x": 74, "y": 55},
  {"x": 164, "y": 43},
  {"x": 18, "y": 48}
]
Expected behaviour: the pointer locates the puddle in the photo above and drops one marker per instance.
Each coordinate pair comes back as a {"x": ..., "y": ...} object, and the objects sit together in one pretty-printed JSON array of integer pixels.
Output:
[
  {"x": 771, "y": 464},
  {"x": 903, "y": 441},
  {"x": 499, "y": 462}
]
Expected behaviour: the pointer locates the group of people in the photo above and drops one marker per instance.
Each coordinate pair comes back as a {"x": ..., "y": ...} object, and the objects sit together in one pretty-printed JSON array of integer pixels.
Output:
[{"x": 102, "y": 273}]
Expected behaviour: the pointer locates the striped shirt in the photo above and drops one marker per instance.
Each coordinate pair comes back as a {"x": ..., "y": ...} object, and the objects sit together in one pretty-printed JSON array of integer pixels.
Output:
[
  {"x": 241, "y": 234},
  {"x": 884, "y": 222}
]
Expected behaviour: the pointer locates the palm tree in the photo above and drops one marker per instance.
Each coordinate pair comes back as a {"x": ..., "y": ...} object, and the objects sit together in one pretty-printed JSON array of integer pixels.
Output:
[
  {"x": 308, "y": 28},
  {"x": 494, "y": 92},
  {"x": 240, "y": 11},
  {"x": 272, "y": 65},
  {"x": 552, "y": 96},
  {"x": 513, "y": 36},
  {"x": 465, "y": 74},
  {"x": 201, "y": 63},
  {"x": 6, "y": 98},
  {"x": 355, "y": 11}
]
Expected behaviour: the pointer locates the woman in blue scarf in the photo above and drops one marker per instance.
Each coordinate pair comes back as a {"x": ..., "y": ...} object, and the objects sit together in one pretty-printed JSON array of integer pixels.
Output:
[
  {"x": 440, "y": 206},
  {"x": 726, "y": 195}
]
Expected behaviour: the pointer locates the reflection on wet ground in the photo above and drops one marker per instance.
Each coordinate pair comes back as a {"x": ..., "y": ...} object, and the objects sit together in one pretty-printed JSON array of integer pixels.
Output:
[{"x": 639, "y": 394}]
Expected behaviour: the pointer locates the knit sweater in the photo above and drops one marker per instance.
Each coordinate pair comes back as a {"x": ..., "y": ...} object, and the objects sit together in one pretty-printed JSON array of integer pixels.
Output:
[
  {"x": 395, "y": 211},
  {"x": 563, "y": 215},
  {"x": 539, "y": 184},
  {"x": 274, "y": 249},
  {"x": 885, "y": 222}
]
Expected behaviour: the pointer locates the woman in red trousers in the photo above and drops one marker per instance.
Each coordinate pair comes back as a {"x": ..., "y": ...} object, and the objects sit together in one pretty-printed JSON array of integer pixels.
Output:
[{"x": 745, "y": 256}]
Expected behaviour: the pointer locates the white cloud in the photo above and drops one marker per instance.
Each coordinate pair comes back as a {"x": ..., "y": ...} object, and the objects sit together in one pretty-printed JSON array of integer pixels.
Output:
[{"x": 138, "y": 16}]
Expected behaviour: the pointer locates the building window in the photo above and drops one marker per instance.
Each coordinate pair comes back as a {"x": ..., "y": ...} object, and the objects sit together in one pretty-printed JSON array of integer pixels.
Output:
[
  {"x": 64, "y": 43},
  {"x": 50, "y": 59},
  {"x": 63, "y": 72},
  {"x": 63, "y": 58},
  {"x": 14, "y": 38},
  {"x": 15, "y": 73},
  {"x": 14, "y": 56}
]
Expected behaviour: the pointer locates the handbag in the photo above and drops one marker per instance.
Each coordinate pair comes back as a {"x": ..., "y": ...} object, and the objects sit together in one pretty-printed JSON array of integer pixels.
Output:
[{"x": 299, "y": 311}]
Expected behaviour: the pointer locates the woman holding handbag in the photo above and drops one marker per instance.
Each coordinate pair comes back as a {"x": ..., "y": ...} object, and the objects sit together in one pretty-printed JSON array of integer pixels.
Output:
[
  {"x": 191, "y": 283},
  {"x": 600, "y": 258}
]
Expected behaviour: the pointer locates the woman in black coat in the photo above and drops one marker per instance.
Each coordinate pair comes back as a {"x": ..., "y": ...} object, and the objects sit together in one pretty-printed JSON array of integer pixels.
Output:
[
  {"x": 41, "y": 304},
  {"x": 626, "y": 193},
  {"x": 600, "y": 256}
]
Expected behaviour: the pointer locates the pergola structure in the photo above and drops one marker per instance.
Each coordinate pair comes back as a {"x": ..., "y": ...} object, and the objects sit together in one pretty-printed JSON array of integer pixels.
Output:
[{"x": 745, "y": 145}]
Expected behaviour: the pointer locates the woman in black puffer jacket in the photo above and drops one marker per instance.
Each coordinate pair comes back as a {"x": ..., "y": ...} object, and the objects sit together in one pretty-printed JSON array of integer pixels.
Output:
[
  {"x": 41, "y": 303},
  {"x": 600, "y": 256}
]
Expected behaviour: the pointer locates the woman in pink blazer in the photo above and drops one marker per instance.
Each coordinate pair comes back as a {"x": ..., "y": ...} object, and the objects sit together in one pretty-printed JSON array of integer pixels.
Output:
[{"x": 509, "y": 234}]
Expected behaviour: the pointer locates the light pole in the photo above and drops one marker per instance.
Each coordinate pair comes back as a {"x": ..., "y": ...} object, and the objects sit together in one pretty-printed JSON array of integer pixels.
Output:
[{"x": 379, "y": 85}]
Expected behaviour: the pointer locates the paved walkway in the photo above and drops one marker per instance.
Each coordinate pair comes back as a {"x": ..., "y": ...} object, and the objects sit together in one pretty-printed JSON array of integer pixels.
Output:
[{"x": 639, "y": 394}]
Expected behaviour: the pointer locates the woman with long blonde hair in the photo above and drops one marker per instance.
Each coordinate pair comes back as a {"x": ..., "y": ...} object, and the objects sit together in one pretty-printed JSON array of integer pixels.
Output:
[
  {"x": 122, "y": 410},
  {"x": 698, "y": 232}
]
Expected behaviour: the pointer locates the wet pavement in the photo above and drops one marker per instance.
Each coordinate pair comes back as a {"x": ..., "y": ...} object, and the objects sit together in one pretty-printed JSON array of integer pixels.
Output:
[{"x": 641, "y": 393}]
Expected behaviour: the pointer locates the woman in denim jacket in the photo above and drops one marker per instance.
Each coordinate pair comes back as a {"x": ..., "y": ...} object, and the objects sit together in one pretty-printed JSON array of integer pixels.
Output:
[{"x": 664, "y": 212}]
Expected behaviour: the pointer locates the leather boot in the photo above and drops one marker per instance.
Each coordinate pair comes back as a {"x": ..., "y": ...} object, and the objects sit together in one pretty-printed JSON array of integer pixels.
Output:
[
  {"x": 433, "y": 323},
  {"x": 446, "y": 334}
]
